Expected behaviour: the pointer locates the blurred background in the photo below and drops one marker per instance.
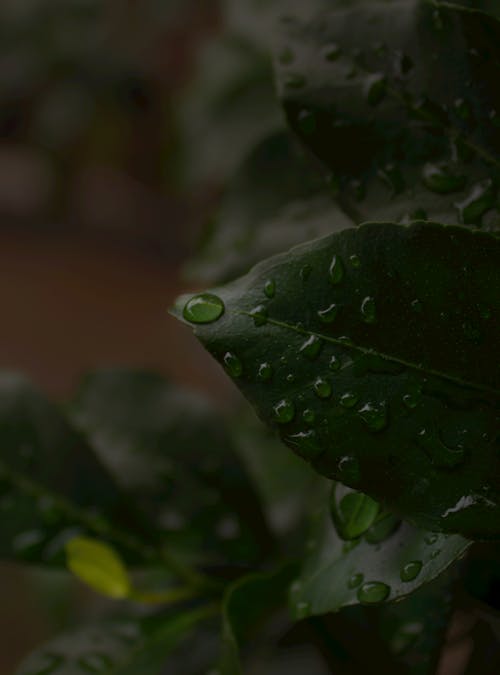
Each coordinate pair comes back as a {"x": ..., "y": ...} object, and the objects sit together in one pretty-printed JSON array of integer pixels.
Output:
[{"x": 97, "y": 215}]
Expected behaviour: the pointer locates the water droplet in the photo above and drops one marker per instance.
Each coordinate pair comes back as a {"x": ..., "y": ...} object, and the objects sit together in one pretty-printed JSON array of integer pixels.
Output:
[
  {"x": 290, "y": 378},
  {"x": 410, "y": 401},
  {"x": 322, "y": 388},
  {"x": 329, "y": 314},
  {"x": 270, "y": 288},
  {"x": 309, "y": 416},
  {"x": 95, "y": 663},
  {"x": 331, "y": 52},
  {"x": 353, "y": 514},
  {"x": 481, "y": 199},
  {"x": 306, "y": 122},
  {"x": 284, "y": 411},
  {"x": 411, "y": 570},
  {"x": 355, "y": 260},
  {"x": 233, "y": 365},
  {"x": 355, "y": 580},
  {"x": 311, "y": 347},
  {"x": 416, "y": 305},
  {"x": 295, "y": 81},
  {"x": 373, "y": 593},
  {"x": 435, "y": 553},
  {"x": 443, "y": 178},
  {"x": 336, "y": 270},
  {"x": 305, "y": 444},
  {"x": 302, "y": 610},
  {"x": 393, "y": 178},
  {"x": 369, "y": 310},
  {"x": 375, "y": 88},
  {"x": 259, "y": 315},
  {"x": 384, "y": 527},
  {"x": 374, "y": 415},
  {"x": 348, "y": 469},
  {"x": 265, "y": 372},
  {"x": 334, "y": 363},
  {"x": 349, "y": 399},
  {"x": 431, "y": 539},
  {"x": 441, "y": 455},
  {"x": 305, "y": 272},
  {"x": 286, "y": 56},
  {"x": 203, "y": 308}
]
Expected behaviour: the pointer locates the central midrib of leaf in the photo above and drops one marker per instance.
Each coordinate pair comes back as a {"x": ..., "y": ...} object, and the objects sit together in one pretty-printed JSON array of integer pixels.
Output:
[{"x": 370, "y": 351}]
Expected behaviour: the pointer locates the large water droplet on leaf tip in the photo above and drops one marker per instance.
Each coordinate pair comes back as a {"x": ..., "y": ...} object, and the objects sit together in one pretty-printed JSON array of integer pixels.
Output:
[{"x": 203, "y": 308}]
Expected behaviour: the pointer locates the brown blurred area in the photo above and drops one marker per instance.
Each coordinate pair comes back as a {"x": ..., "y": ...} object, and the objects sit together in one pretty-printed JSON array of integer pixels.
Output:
[{"x": 94, "y": 222}]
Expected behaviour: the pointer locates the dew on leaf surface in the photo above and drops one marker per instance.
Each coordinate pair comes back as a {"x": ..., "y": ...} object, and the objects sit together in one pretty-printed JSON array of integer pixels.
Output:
[{"x": 203, "y": 308}]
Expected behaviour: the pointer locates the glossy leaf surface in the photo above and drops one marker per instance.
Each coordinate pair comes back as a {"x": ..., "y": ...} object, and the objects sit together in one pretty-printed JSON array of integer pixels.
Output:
[{"x": 373, "y": 352}]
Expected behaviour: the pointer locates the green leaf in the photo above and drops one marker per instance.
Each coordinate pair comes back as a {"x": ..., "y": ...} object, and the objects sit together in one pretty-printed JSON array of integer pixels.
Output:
[
  {"x": 125, "y": 647},
  {"x": 337, "y": 574},
  {"x": 52, "y": 486},
  {"x": 99, "y": 566},
  {"x": 403, "y": 104},
  {"x": 379, "y": 365},
  {"x": 247, "y": 603},
  {"x": 353, "y": 513},
  {"x": 259, "y": 216},
  {"x": 170, "y": 451}
]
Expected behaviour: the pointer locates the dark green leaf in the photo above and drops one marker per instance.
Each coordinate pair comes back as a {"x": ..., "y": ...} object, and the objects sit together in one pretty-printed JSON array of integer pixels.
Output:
[
  {"x": 170, "y": 450},
  {"x": 126, "y": 647},
  {"x": 404, "y": 107},
  {"x": 52, "y": 486},
  {"x": 260, "y": 216},
  {"x": 337, "y": 573},
  {"x": 380, "y": 364},
  {"x": 246, "y": 604}
]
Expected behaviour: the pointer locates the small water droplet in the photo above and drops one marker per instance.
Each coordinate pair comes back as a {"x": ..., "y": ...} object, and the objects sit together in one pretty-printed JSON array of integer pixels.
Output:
[
  {"x": 329, "y": 314},
  {"x": 305, "y": 272},
  {"x": 284, "y": 411},
  {"x": 355, "y": 580},
  {"x": 334, "y": 363},
  {"x": 322, "y": 388},
  {"x": 290, "y": 378},
  {"x": 302, "y": 610},
  {"x": 336, "y": 270},
  {"x": 410, "y": 401},
  {"x": 349, "y": 469},
  {"x": 431, "y": 539},
  {"x": 440, "y": 454},
  {"x": 233, "y": 365},
  {"x": 203, "y": 308},
  {"x": 270, "y": 288},
  {"x": 259, "y": 315},
  {"x": 355, "y": 260},
  {"x": 416, "y": 305},
  {"x": 311, "y": 347},
  {"x": 349, "y": 399},
  {"x": 265, "y": 372},
  {"x": 481, "y": 199},
  {"x": 309, "y": 416},
  {"x": 369, "y": 310},
  {"x": 306, "y": 122},
  {"x": 443, "y": 178},
  {"x": 435, "y": 553},
  {"x": 331, "y": 51},
  {"x": 375, "y": 88},
  {"x": 305, "y": 444},
  {"x": 295, "y": 81},
  {"x": 411, "y": 570},
  {"x": 95, "y": 663},
  {"x": 374, "y": 414},
  {"x": 286, "y": 56},
  {"x": 373, "y": 593}
]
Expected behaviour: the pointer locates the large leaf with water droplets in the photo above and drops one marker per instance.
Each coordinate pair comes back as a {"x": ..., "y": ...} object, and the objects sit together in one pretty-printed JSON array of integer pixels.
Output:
[
  {"x": 402, "y": 104},
  {"x": 377, "y": 567},
  {"x": 373, "y": 352},
  {"x": 52, "y": 486},
  {"x": 170, "y": 450},
  {"x": 121, "y": 647},
  {"x": 259, "y": 216}
]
